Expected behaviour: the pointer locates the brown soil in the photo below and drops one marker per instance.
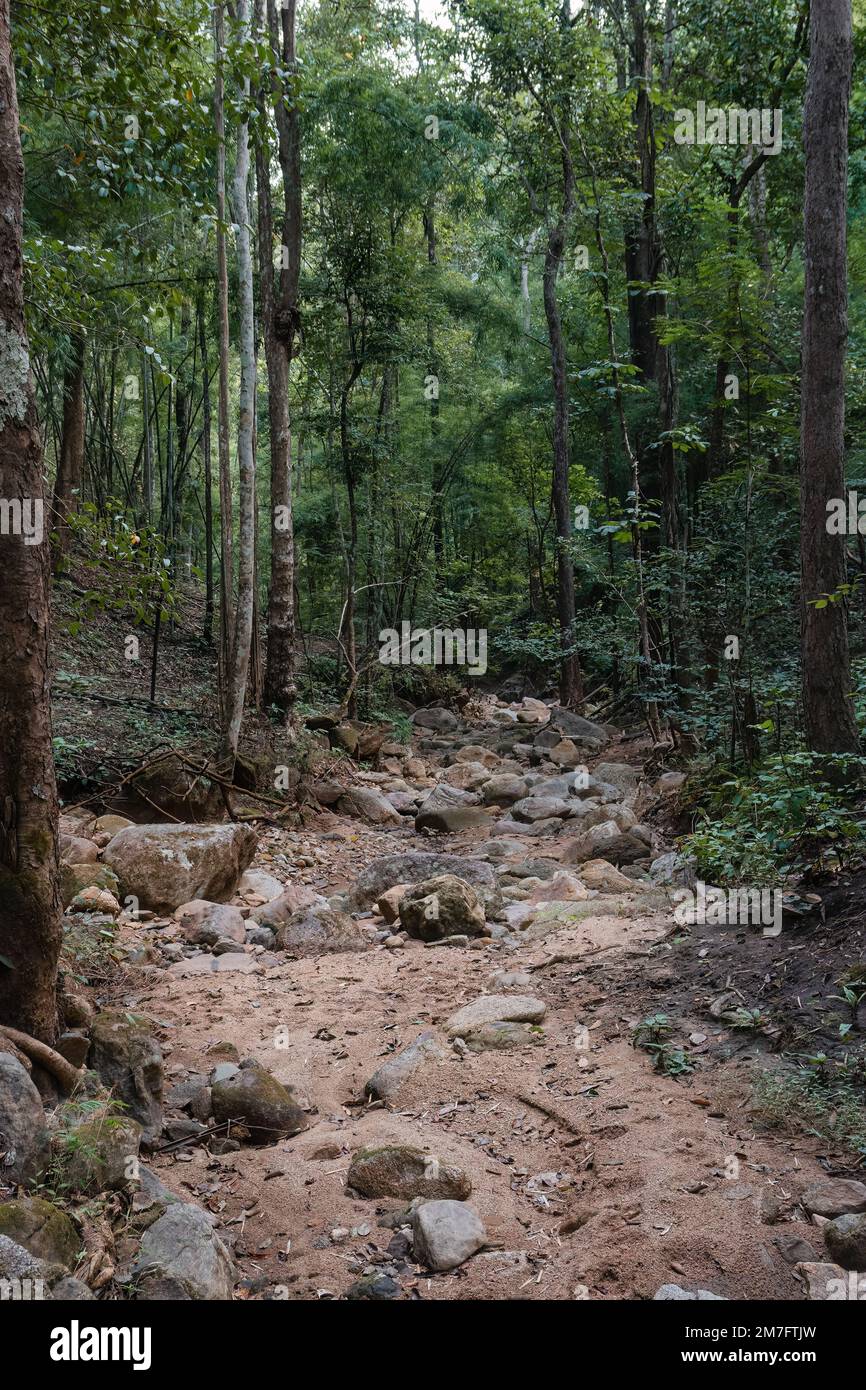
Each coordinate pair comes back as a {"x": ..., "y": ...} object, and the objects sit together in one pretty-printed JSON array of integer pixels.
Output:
[{"x": 649, "y": 1179}]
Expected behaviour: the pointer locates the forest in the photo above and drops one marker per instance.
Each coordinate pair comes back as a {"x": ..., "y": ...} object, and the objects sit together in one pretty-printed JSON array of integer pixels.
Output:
[{"x": 432, "y": 512}]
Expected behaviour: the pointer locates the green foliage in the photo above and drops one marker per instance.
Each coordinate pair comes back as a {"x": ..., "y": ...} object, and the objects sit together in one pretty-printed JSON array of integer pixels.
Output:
[{"x": 783, "y": 818}]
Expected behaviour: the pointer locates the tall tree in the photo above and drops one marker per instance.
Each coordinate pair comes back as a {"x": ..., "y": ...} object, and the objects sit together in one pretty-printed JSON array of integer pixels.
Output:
[
  {"x": 827, "y": 705},
  {"x": 242, "y": 626},
  {"x": 30, "y": 909},
  {"x": 280, "y": 324},
  {"x": 70, "y": 465}
]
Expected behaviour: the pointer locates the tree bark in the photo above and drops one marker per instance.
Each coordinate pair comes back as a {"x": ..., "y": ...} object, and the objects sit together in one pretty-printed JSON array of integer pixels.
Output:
[
  {"x": 30, "y": 907},
  {"x": 223, "y": 461},
  {"x": 70, "y": 465},
  {"x": 242, "y": 627},
  {"x": 280, "y": 323},
  {"x": 207, "y": 470},
  {"x": 571, "y": 676},
  {"x": 827, "y": 705}
]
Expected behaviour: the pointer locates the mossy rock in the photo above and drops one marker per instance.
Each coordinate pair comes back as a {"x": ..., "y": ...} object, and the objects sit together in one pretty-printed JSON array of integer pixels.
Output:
[
  {"x": 100, "y": 1153},
  {"x": 42, "y": 1228},
  {"x": 399, "y": 1170},
  {"x": 76, "y": 877}
]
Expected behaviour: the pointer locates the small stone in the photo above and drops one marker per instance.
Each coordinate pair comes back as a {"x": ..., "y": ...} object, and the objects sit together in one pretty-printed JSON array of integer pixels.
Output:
[
  {"x": 401, "y": 1171},
  {"x": 835, "y": 1197},
  {"x": 446, "y": 1234},
  {"x": 845, "y": 1238}
]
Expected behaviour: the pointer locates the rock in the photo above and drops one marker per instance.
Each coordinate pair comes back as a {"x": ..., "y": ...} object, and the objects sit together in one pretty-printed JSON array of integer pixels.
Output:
[
  {"x": 401, "y": 1171},
  {"x": 535, "y": 808},
  {"x": 74, "y": 1046},
  {"x": 447, "y": 809},
  {"x": 166, "y": 865},
  {"x": 673, "y": 1293},
  {"x": 442, "y": 720},
  {"x": 74, "y": 878},
  {"x": 258, "y": 1100},
  {"x": 388, "y": 1079},
  {"x": 620, "y": 815},
  {"x": 580, "y": 730},
  {"x": 793, "y": 1249},
  {"x": 183, "y": 1248},
  {"x": 256, "y": 935},
  {"x": 469, "y": 777},
  {"x": 110, "y": 825},
  {"x": 257, "y": 883},
  {"x": 500, "y": 1037},
  {"x": 668, "y": 868},
  {"x": 389, "y": 903},
  {"x": 345, "y": 737},
  {"x": 370, "y": 804},
  {"x": 623, "y": 776},
  {"x": 42, "y": 1228},
  {"x": 319, "y": 930},
  {"x": 23, "y": 1132},
  {"x": 605, "y": 840},
  {"x": 495, "y": 1008},
  {"x": 70, "y": 1290},
  {"x": 101, "y": 1153},
  {"x": 75, "y": 850},
  {"x": 601, "y": 876},
  {"x": 845, "y": 1238},
  {"x": 204, "y": 923},
  {"x": 503, "y": 789},
  {"x": 441, "y": 906},
  {"x": 150, "y": 1199},
  {"x": 391, "y": 869},
  {"x": 565, "y": 753},
  {"x": 128, "y": 1060},
  {"x": 561, "y": 888},
  {"x": 278, "y": 911},
  {"x": 375, "y": 1287},
  {"x": 95, "y": 899},
  {"x": 28, "y": 1271},
  {"x": 77, "y": 1010},
  {"x": 669, "y": 783},
  {"x": 835, "y": 1197},
  {"x": 446, "y": 1234},
  {"x": 824, "y": 1282}
]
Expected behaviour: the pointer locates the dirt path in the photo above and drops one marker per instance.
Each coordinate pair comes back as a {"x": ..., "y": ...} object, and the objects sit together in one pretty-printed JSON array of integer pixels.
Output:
[{"x": 595, "y": 1175}]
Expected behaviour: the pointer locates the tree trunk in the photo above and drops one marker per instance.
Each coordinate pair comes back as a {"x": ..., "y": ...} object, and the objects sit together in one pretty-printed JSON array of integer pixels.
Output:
[
  {"x": 571, "y": 676},
  {"x": 225, "y": 478},
  {"x": 236, "y": 685},
  {"x": 30, "y": 907},
  {"x": 279, "y": 324},
  {"x": 827, "y": 706},
  {"x": 208, "y": 476},
  {"x": 70, "y": 465}
]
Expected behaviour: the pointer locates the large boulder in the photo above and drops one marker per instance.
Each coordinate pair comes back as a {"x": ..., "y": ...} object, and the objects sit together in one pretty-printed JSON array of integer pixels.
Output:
[
  {"x": 252, "y": 1097},
  {"x": 441, "y": 906},
  {"x": 170, "y": 787},
  {"x": 397, "y": 1170},
  {"x": 320, "y": 930},
  {"x": 390, "y": 869},
  {"x": 184, "y": 1258},
  {"x": 23, "y": 1132},
  {"x": 128, "y": 1060},
  {"x": 164, "y": 866}
]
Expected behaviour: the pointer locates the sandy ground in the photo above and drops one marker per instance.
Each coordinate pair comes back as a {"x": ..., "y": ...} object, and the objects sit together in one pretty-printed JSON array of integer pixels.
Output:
[{"x": 596, "y": 1177}]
